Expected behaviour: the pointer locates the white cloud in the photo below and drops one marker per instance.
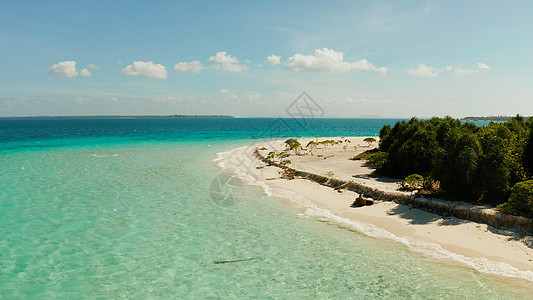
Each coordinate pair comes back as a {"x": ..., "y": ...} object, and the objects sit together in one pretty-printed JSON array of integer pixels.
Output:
[
  {"x": 273, "y": 60},
  {"x": 146, "y": 69},
  {"x": 461, "y": 71},
  {"x": 93, "y": 66},
  {"x": 85, "y": 73},
  {"x": 483, "y": 66},
  {"x": 65, "y": 69},
  {"x": 224, "y": 91},
  {"x": 227, "y": 62},
  {"x": 189, "y": 67},
  {"x": 449, "y": 68},
  {"x": 326, "y": 60},
  {"x": 425, "y": 71}
]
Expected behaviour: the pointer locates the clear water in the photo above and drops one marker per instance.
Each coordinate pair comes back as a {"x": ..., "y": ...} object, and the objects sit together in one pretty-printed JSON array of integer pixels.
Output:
[{"x": 122, "y": 209}]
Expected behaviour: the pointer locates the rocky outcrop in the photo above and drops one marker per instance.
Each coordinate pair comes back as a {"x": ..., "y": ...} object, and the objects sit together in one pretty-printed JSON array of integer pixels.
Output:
[
  {"x": 462, "y": 210},
  {"x": 359, "y": 202}
]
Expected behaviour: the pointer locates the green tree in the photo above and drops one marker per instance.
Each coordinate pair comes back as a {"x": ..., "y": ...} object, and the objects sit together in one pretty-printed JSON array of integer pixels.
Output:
[
  {"x": 521, "y": 200},
  {"x": 378, "y": 159},
  {"x": 369, "y": 140},
  {"x": 294, "y": 145},
  {"x": 456, "y": 170}
]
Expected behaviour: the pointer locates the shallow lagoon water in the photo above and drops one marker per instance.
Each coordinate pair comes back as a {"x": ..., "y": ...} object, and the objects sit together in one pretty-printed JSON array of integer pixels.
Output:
[{"x": 125, "y": 211}]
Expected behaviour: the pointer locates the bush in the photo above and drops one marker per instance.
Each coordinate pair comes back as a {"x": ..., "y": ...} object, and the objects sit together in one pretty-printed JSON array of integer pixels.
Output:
[
  {"x": 429, "y": 184},
  {"x": 285, "y": 162},
  {"x": 378, "y": 159},
  {"x": 521, "y": 200},
  {"x": 412, "y": 182},
  {"x": 293, "y": 144}
]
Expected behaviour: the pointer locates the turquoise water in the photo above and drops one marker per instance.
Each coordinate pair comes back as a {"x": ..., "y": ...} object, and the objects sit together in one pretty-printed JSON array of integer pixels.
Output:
[{"x": 129, "y": 215}]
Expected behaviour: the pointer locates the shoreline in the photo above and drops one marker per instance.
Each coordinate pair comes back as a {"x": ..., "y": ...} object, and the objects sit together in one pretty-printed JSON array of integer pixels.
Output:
[{"x": 478, "y": 245}]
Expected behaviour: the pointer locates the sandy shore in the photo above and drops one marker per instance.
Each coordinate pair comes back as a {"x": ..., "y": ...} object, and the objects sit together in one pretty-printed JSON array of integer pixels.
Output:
[{"x": 487, "y": 249}]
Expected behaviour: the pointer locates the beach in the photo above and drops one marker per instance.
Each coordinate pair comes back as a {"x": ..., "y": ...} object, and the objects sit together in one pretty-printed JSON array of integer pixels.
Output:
[{"x": 503, "y": 252}]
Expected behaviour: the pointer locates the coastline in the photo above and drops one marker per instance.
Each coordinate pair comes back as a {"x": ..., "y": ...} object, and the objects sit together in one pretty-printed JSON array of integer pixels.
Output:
[{"x": 480, "y": 246}]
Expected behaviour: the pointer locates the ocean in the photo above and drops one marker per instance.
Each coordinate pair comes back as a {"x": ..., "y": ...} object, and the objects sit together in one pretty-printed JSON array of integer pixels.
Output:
[{"x": 129, "y": 208}]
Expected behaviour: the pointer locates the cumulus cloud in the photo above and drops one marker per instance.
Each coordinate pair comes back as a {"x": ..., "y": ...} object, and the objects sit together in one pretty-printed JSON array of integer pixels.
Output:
[
  {"x": 64, "y": 69},
  {"x": 428, "y": 71},
  {"x": 226, "y": 62},
  {"x": 224, "y": 91},
  {"x": 85, "y": 73},
  {"x": 189, "y": 67},
  {"x": 425, "y": 71},
  {"x": 93, "y": 66},
  {"x": 328, "y": 60},
  {"x": 146, "y": 69},
  {"x": 483, "y": 66},
  {"x": 273, "y": 60}
]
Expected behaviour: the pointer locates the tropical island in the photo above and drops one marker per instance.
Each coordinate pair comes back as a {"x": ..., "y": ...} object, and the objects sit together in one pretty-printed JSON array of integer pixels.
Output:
[{"x": 463, "y": 187}]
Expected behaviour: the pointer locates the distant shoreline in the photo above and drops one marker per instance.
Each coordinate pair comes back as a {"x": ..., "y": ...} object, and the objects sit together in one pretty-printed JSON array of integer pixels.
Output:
[
  {"x": 489, "y": 118},
  {"x": 121, "y": 117}
]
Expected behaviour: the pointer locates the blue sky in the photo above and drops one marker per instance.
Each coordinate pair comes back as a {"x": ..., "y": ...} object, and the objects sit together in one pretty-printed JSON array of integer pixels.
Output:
[{"x": 355, "y": 58}]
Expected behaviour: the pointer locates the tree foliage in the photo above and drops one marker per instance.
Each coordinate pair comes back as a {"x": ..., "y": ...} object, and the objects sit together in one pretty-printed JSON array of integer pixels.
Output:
[
  {"x": 378, "y": 159},
  {"x": 521, "y": 200},
  {"x": 469, "y": 162},
  {"x": 369, "y": 140},
  {"x": 294, "y": 145}
]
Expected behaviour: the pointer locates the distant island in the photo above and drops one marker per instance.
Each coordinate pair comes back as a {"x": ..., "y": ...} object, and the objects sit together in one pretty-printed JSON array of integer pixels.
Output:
[
  {"x": 121, "y": 117},
  {"x": 489, "y": 118}
]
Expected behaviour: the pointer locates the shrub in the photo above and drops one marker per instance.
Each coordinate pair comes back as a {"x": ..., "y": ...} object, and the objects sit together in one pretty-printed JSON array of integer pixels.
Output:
[
  {"x": 288, "y": 174},
  {"x": 271, "y": 155},
  {"x": 412, "y": 182},
  {"x": 285, "y": 162},
  {"x": 429, "y": 183},
  {"x": 521, "y": 200},
  {"x": 293, "y": 144},
  {"x": 378, "y": 159}
]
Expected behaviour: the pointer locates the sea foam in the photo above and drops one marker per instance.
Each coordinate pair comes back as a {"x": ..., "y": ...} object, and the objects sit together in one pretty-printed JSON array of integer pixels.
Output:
[{"x": 434, "y": 250}]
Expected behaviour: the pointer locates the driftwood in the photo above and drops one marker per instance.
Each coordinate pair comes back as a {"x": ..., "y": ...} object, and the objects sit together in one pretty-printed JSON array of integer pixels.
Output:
[{"x": 219, "y": 262}]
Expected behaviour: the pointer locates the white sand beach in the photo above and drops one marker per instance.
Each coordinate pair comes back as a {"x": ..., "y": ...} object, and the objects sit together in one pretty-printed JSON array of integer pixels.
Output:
[{"x": 483, "y": 247}]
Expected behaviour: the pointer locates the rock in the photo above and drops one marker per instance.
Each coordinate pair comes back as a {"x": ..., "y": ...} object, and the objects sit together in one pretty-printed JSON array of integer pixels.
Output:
[
  {"x": 369, "y": 202},
  {"x": 359, "y": 201}
]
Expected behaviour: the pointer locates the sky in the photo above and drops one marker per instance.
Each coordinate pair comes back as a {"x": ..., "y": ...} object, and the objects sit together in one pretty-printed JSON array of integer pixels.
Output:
[{"x": 389, "y": 59}]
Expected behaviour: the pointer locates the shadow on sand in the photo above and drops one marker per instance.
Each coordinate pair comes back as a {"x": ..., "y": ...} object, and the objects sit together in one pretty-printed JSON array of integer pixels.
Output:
[
  {"x": 420, "y": 217},
  {"x": 417, "y": 216},
  {"x": 377, "y": 178}
]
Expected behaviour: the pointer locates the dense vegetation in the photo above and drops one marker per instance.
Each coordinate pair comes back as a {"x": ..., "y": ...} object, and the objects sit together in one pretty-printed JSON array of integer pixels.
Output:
[{"x": 471, "y": 163}]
